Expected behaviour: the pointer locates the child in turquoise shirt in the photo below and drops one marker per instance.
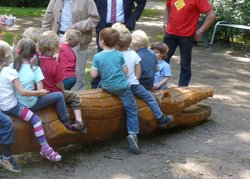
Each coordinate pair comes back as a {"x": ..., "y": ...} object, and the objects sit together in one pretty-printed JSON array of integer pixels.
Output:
[{"x": 111, "y": 67}]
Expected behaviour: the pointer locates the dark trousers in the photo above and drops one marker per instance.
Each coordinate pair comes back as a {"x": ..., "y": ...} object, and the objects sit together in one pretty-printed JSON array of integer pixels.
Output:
[{"x": 185, "y": 44}]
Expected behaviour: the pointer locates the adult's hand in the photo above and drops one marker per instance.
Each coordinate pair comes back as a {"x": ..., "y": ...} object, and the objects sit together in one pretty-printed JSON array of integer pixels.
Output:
[{"x": 197, "y": 35}]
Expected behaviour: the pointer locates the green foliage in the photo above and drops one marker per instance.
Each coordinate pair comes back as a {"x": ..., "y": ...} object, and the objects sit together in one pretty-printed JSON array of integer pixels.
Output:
[
  {"x": 151, "y": 13},
  {"x": 235, "y": 12},
  {"x": 30, "y": 12},
  {"x": 24, "y": 3}
]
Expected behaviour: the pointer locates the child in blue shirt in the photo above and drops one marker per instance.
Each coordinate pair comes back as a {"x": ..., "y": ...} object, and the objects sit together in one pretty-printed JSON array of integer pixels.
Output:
[
  {"x": 132, "y": 61},
  {"x": 148, "y": 61},
  {"x": 111, "y": 67},
  {"x": 163, "y": 75}
]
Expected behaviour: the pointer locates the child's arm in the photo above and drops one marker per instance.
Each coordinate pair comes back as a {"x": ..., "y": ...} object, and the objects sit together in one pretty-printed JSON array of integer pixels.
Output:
[
  {"x": 157, "y": 68},
  {"x": 39, "y": 85},
  {"x": 160, "y": 84},
  {"x": 94, "y": 73},
  {"x": 138, "y": 71},
  {"x": 60, "y": 86},
  {"x": 125, "y": 69},
  {"x": 25, "y": 92}
]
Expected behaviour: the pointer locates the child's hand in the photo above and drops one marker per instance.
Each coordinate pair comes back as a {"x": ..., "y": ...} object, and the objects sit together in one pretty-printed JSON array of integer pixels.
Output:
[
  {"x": 157, "y": 86},
  {"x": 43, "y": 92}
]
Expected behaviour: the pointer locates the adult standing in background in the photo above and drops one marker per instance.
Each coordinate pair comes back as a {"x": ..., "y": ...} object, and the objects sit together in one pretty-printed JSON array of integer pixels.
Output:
[
  {"x": 123, "y": 11},
  {"x": 73, "y": 14},
  {"x": 180, "y": 23},
  {"x": 112, "y": 11}
]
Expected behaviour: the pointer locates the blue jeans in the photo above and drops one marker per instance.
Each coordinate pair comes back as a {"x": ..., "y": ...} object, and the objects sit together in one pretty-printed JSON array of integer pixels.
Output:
[
  {"x": 130, "y": 107},
  {"x": 53, "y": 98},
  {"x": 185, "y": 45},
  {"x": 6, "y": 130},
  {"x": 68, "y": 83},
  {"x": 147, "y": 96}
]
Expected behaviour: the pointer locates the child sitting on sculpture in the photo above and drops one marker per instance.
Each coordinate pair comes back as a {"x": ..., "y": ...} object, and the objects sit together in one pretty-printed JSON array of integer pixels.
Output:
[
  {"x": 67, "y": 57},
  {"x": 31, "y": 78},
  {"x": 7, "y": 55},
  {"x": 111, "y": 67},
  {"x": 132, "y": 61},
  {"x": 30, "y": 32},
  {"x": 148, "y": 61},
  {"x": 6, "y": 124},
  {"x": 6, "y": 141},
  {"x": 48, "y": 45},
  {"x": 163, "y": 75},
  {"x": 9, "y": 105}
]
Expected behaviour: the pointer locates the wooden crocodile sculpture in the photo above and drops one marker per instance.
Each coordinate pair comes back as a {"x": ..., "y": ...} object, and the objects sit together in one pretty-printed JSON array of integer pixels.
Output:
[{"x": 104, "y": 117}]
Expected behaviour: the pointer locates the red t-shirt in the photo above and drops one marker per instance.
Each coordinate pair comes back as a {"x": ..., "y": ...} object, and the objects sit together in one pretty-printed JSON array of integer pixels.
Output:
[
  {"x": 67, "y": 60},
  {"x": 52, "y": 72},
  {"x": 184, "y": 15}
]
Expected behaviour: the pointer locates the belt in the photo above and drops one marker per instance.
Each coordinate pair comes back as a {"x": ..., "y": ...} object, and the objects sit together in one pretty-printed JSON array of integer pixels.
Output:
[{"x": 61, "y": 32}]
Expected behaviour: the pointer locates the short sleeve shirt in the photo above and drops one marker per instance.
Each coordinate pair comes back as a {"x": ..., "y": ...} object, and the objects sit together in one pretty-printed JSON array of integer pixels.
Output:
[
  {"x": 7, "y": 96},
  {"x": 67, "y": 61},
  {"x": 110, "y": 67},
  {"x": 52, "y": 72},
  {"x": 148, "y": 66},
  {"x": 131, "y": 59},
  {"x": 28, "y": 77},
  {"x": 184, "y": 15},
  {"x": 164, "y": 71}
]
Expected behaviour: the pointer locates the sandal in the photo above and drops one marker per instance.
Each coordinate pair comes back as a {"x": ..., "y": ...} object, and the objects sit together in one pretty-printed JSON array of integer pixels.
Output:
[
  {"x": 79, "y": 126},
  {"x": 50, "y": 154}
]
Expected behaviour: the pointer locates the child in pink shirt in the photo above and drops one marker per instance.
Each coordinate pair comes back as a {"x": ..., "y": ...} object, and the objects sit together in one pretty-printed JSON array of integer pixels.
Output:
[{"x": 67, "y": 57}]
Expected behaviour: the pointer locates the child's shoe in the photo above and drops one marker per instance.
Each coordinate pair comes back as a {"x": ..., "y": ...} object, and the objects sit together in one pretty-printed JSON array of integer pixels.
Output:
[
  {"x": 50, "y": 154},
  {"x": 79, "y": 126},
  {"x": 164, "y": 121},
  {"x": 68, "y": 125},
  {"x": 10, "y": 164},
  {"x": 133, "y": 144}
]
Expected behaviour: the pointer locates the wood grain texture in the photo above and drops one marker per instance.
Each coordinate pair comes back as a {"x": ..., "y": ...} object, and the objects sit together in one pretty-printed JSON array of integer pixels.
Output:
[{"x": 104, "y": 117}]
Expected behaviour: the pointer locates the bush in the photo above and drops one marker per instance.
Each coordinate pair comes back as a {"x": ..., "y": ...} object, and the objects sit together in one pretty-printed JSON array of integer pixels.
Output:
[
  {"x": 24, "y": 3},
  {"x": 235, "y": 12}
]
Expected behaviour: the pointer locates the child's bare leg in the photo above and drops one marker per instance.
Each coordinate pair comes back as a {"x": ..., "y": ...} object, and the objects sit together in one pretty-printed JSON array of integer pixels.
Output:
[
  {"x": 78, "y": 114},
  {"x": 74, "y": 100},
  {"x": 79, "y": 124}
]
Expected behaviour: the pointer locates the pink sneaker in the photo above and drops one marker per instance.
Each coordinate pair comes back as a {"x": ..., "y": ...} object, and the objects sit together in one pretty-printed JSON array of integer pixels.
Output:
[{"x": 50, "y": 154}]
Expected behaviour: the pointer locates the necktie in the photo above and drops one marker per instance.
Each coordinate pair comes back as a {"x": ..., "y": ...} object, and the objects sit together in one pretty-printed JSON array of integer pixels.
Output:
[{"x": 113, "y": 12}]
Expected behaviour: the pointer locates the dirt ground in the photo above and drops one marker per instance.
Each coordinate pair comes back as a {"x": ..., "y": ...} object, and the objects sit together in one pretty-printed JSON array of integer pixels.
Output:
[{"x": 216, "y": 149}]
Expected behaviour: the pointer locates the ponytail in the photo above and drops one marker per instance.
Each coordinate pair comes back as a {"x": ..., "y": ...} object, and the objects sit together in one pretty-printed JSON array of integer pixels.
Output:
[
  {"x": 26, "y": 49},
  {"x": 17, "y": 62}
]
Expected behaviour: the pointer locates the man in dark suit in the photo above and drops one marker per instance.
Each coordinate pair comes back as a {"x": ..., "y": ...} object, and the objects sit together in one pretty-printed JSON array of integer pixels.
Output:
[{"x": 126, "y": 13}]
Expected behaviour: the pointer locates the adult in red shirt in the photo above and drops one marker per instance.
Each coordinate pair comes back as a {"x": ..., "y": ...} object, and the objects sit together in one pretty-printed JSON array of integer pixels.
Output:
[{"x": 180, "y": 23}]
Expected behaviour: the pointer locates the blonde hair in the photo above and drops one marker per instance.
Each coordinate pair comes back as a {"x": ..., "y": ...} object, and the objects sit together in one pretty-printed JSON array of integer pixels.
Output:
[
  {"x": 6, "y": 55},
  {"x": 48, "y": 43},
  {"x": 73, "y": 37},
  {"x": 139, "y": 40},
  {"x": 125, "y": 35},
  {"x": 32, "y": 33}
]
